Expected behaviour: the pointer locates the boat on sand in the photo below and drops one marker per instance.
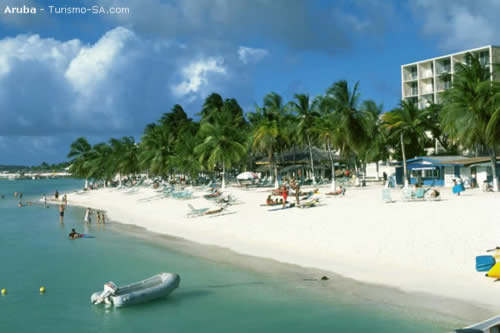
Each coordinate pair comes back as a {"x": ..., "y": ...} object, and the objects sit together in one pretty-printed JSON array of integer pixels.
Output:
[
  {"x": 488, "y": 326},
  {"x": 146, "y": 290}
]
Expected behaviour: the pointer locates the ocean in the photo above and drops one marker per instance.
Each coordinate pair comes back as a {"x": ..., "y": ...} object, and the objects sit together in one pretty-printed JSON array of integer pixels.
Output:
[{"x": 220, "y": 291}]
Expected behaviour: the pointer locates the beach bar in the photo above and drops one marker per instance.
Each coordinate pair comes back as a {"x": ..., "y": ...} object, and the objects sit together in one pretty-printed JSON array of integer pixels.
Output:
[{"x": 442, "y": 170}]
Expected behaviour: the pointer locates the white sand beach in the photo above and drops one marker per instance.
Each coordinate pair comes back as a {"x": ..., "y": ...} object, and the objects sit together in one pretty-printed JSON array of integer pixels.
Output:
[{"x": 425, "y": 246}]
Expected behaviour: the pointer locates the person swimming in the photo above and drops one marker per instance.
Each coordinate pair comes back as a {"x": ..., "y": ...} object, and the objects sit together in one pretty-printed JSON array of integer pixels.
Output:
[{"x": 73, "y": 234}]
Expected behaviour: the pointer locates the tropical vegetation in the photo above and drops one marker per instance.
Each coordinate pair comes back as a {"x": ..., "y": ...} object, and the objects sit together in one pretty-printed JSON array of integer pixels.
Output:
[{"x": 222, "y": 140}]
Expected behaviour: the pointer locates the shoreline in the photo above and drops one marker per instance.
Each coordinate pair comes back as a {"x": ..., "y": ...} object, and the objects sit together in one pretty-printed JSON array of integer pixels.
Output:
[{"x": 239, "y": 232}]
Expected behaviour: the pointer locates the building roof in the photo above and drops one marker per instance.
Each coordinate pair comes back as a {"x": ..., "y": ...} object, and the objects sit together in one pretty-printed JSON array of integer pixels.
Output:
[
  {"x": 470, "y": 161},
  {"x": 452, "y": 54},
  {"x": 445, "y": 159}
]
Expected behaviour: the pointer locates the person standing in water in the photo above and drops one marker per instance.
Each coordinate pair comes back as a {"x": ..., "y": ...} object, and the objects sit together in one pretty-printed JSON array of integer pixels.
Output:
[
  {"x": 56, "y": 195},
  {"x": 61, "y": 214},
  {"x": 88, "y": 218},
  {"x": 65, "y": 200}
]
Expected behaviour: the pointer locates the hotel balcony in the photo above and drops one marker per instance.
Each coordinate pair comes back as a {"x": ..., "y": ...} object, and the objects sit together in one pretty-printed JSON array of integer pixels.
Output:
[
  {"x": 410, "y": 73},
  {"x": 426, "y": 70},
  {"x": 426, "y": 86},
  {"x": 443, "y": 66}
]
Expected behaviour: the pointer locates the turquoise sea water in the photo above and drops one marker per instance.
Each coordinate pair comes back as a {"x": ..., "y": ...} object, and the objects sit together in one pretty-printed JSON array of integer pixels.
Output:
[{"x": 217, "y": 293}]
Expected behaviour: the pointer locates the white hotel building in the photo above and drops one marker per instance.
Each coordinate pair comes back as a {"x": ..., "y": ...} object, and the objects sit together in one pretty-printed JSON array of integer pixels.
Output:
[{"x": 423, "y": 81}]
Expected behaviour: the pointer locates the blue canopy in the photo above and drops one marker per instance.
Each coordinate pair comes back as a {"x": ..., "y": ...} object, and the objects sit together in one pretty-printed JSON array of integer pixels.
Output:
[{"x": 420, "y": 166}]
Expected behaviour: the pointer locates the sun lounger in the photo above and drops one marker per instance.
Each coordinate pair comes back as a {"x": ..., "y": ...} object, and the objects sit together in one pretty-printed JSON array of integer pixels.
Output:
[
  {"x": 407, "y": 194},
  {"x": 420, "y": 193},
  {"x": 196, "y": 212},
  {"x": 386, "y": 195},
  {"x": 309, "y": 204}
]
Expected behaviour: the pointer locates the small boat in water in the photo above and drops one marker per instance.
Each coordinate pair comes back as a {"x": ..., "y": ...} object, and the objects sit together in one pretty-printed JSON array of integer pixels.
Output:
[
  {"x": 488, "y": 326},
  {"x": 155, "y": 287}
]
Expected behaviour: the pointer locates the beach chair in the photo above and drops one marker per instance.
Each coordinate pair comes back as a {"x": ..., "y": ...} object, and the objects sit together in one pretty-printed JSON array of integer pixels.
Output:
[
  {"x": 386, "y": 195},
  {"x": 309, "y": 204},
  {"x": 407, "y": 194},
  {"x": 420, "y": 193},
  {"x": 196, "y": 212}
]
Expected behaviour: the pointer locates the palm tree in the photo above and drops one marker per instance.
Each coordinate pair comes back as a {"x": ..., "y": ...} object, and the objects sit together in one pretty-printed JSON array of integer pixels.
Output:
[
  {"x": 346, "y": 103},
  {"x": 404, "y": 121},
  {"x": 471, "y": 109},
  {"x": 269, "y": 135},
  {"x": 307, "y": 115},
  {"x": 432, "y": 114},
  {"x": 100, "y": 163},
  {"x": 125, "y": 155},
  {"x": 80, "y": 151},
  {"x": 156, "y": 149},
  {"x": 376, "y": 149},
  {"x": 221, "y": 142},
  {"x": 213, "y": 104},
  {"x": 184, "y": 158},
  {"x": 328, "y": 131}
]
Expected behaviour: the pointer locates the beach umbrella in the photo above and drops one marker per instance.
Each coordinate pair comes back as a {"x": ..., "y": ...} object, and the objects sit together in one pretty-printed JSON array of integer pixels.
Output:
[{"x": 247, "y": 176}]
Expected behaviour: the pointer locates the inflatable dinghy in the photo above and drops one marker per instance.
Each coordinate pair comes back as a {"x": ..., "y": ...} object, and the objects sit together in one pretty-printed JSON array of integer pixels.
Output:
[{"x": 155, "y": 287}]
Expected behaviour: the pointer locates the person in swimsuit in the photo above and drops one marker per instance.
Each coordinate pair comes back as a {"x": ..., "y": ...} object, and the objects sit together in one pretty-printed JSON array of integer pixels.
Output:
[
  {"x": 284, "y": 193},
  {"x": 73, "y": 234},
  {"x": 56, "y": 195},
  {"x": 88, "y": 219},
  {"x": 61, "y": 213}
]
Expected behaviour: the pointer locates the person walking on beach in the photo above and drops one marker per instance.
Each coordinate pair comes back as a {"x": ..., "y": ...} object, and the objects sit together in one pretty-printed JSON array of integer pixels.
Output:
[
  {"x": 88, "y": 218},
  {"x": 296, "y": 188},
  {"x": 61, "y": 214},
  {"x": 284, "y": 193}
]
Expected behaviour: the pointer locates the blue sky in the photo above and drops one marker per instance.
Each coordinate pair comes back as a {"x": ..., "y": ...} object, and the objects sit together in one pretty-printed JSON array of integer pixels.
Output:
[{"x": 102, "y": 76}]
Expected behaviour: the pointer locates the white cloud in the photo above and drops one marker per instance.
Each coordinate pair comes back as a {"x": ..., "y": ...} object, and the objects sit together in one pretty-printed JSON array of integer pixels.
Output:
[
  {"x": 460, "y": 24},
  {"x": 93, "y": 63},
  {"x": 195, "y": 76},
  {"x": 108, "y": 88},
  {"x": 251, "y": 55}
]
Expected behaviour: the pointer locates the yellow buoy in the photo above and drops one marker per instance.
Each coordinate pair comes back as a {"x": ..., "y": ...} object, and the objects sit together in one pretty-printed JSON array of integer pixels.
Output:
[
  {"x": 42, "y": 290},
  {"x": 4, "y": 291}
]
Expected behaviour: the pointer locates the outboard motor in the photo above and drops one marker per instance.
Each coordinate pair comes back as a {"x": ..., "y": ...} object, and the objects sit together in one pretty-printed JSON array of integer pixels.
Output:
[{"x": 110, "y": 289}]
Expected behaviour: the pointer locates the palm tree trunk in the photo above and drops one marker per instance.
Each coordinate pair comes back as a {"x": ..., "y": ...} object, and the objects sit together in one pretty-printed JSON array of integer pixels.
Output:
[
  {"x": 312, "y": 161},
  {"x": 376, "y": 164},
  {"x": 356, "y": 171},
  {"x": 223, "y": 176},
  {"x": 276, "y": 183},
  {"x": 86, "y": 183},
  {"x": 493, "y": 156},
  {"x": 333, "y": 166},
  {"x": 404, "y": 161}
]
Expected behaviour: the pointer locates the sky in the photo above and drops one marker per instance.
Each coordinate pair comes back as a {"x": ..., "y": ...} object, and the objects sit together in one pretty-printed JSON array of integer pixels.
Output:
[{"x": 65, "y": 75}]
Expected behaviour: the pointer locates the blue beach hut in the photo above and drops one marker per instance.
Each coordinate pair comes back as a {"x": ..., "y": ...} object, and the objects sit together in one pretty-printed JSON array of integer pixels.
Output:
[{"x": 431, "y": 170}]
